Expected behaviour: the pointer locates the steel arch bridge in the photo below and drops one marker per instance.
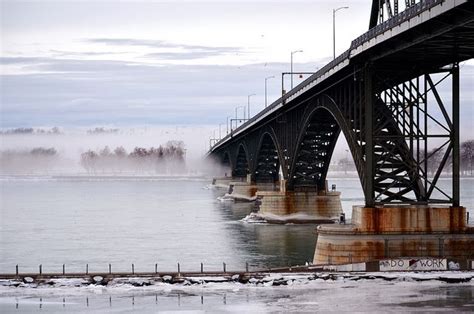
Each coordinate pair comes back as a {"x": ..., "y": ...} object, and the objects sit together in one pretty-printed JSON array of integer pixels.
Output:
[{"x": 382, "y": 96}]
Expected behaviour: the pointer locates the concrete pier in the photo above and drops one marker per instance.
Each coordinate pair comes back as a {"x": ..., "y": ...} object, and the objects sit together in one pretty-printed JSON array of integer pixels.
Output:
[
  {"x": 222, "y": 182},
  {"x": 242, "y": 191},
  {"x": 394, "y": 232},
  {"x": 299, "y": 207}
]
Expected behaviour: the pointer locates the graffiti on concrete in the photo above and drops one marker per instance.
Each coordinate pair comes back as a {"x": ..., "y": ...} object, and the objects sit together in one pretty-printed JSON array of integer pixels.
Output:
[{"x": 413, "y": 264}]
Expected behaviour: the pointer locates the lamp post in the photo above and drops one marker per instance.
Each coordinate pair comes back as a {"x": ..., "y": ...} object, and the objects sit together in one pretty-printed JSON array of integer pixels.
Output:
[
  {"x": 236, "y": 118},
  {"x": 220, "y": 125},
  {"x": 236, "y": 109},
  {"x": 248, "y": 105},
  {"x": 334, "y": 30},
  {"x": 266, "y": 79},
  {"x": 228, "y": 117},
  {"x": 291, "y": 67}
]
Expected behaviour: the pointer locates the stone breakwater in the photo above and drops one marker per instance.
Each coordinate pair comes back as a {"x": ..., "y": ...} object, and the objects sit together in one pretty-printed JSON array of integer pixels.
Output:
[{"x": 255, "y": 279}]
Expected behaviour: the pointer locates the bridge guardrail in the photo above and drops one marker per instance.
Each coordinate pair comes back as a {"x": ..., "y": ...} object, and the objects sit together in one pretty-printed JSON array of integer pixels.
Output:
[{"x": 395, "y": 21}]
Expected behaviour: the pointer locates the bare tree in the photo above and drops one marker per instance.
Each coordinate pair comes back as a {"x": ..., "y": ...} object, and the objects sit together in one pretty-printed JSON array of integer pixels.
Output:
[{"x": 467, "y": 156}]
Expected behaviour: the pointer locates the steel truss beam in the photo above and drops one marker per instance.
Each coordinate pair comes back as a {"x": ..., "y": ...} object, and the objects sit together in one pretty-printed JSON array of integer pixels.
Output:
[
  {"x": 241, "y": 168},
  {"x": 268, "y": 165},
  {"x": 386, "y": 9},
  {"x": 314, "y": 152},
  {"x": 431, "y": 135}
]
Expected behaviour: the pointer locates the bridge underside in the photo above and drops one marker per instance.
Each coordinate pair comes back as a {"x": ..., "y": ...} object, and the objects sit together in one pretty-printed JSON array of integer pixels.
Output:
[{"x": 314, "y": 152}]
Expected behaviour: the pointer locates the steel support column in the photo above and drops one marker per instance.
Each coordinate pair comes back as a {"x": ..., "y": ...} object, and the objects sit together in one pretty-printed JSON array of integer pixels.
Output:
[
  {"x": 455, "y": 133},
  {"x": 369, "y": 133}
]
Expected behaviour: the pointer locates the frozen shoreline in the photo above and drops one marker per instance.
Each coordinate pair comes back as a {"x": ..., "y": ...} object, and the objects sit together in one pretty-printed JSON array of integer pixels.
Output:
[
  {"x": 285, "y": 292},
  {"x": 230, "y": 281}
]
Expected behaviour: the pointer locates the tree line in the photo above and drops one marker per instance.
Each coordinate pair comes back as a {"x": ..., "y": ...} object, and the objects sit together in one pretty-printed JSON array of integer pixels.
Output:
[
  {"x": 54, "y": 130},
  {"x": 168, "y": 158},
  {"x": 164, "y": 159},
  {"x": 435, "y": 158},
  {"x": 28, "y": 161}
]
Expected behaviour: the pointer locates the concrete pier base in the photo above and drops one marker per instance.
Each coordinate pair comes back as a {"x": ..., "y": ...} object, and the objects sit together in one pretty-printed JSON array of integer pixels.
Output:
[
  {"x": 223, "y": 182},
  {"x": 394, "y": 232},
  {"x": 242, "y": 191},
  {"x": 299, "y": 207}
]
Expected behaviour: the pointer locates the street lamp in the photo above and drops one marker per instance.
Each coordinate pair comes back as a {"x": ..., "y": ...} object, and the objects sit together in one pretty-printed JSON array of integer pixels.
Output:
[
  {"x": 236, "y": 117},
  {"x": 248, "y": 105},
  {"x": 334, "y": 30},
  {"x": 220, "y": 125},
  {"x": 228, "y": 117},
  {"x": 292, "y": 53},
  {"x": 237, "y": 108},
  {"x": 266, "y": 79}
]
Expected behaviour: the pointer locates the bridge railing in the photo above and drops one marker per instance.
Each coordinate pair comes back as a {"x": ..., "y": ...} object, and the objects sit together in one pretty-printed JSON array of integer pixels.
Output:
[{"x": 396, "y": 20}]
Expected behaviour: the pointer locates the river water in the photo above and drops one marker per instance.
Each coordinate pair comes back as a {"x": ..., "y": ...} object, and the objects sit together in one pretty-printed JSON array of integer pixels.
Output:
[{"x": 146, "y": 221}]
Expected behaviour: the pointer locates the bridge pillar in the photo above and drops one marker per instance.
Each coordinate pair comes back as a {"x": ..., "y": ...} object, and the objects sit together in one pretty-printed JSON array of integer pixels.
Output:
[
  {"x": 222, "y": 182},
  {"x": 397, "y": 231},
  {"x": 299, "y": 206},
  {"x": 242, "y": 191}
]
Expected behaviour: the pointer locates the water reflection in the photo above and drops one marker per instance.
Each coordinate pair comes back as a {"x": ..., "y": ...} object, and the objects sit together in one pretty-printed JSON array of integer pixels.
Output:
[
  {"x": 416, "y": 295},
  {"x": 268, "y": 245}
]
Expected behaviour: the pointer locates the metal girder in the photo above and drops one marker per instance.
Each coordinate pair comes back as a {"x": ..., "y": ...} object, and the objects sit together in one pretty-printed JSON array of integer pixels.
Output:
[
  {"x": 429, "y": 131},
  {"x": 314, "y": 151},
  {"x": 390, "y": 7},
  {"x": 268, "y": 163},
  {"x": 241, "y": 168}
]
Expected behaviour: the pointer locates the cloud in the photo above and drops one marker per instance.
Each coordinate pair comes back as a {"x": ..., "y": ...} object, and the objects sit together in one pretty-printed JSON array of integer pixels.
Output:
[
  {"x": 158, "y": 44},
  {"x": 23, "y": 60},
  {"x": 85, "y": 53},
  {"x": 83, "y": 92},
  {"x": 67, "y": 92},
  {"x": 190, "y": 55},
  {"x": 178, "y": 51}
]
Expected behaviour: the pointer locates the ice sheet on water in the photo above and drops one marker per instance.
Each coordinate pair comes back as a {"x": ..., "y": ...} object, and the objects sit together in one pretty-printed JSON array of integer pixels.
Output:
[
  {"x": 272, "y": 218},
  {"x": 236, "y": 198}
]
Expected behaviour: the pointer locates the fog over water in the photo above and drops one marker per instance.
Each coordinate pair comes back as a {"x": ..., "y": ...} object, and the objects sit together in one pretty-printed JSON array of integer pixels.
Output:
[{"x": 70, "y": 143}]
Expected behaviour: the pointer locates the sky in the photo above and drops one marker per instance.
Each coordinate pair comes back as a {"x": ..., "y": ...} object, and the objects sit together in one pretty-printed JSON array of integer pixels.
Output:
[
  {"x": 160, "y": 63},
  {"x": 72, "y": 63}
]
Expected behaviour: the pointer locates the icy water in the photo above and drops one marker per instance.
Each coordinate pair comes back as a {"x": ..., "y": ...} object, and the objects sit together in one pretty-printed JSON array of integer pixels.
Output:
[{"x": 97, "y": 221}]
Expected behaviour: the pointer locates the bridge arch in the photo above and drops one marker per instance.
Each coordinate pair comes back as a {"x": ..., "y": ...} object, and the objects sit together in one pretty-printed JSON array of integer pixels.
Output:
[
  {"x": 268, "y": 161},
  {"x": 241, "y": 165},
  {"x": 226, "y": 162},
  {"x": 316, "y": 142}
]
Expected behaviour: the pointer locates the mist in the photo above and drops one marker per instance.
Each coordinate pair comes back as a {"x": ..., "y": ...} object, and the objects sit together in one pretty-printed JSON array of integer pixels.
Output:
[{"x": 114, "y": 150}]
